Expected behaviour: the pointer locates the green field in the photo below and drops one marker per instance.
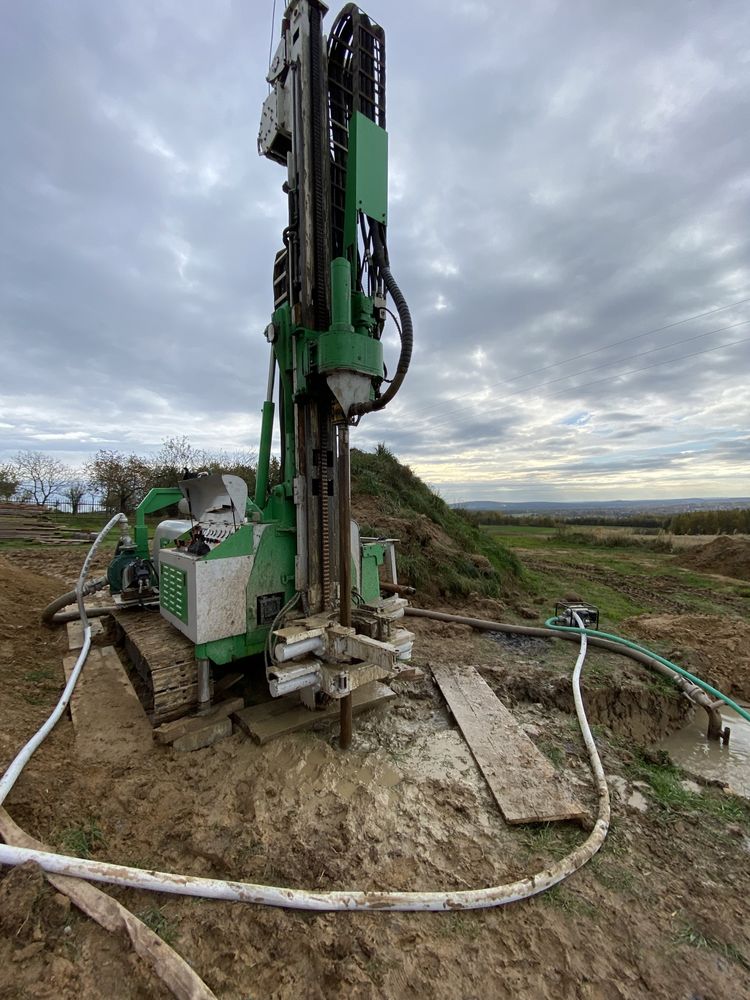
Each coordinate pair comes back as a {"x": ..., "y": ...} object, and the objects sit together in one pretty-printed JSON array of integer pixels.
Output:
[{"x": 620, "y": 579}]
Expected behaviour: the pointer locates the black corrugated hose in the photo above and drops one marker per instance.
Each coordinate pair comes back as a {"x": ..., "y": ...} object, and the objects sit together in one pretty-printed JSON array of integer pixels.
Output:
[{"x": 407, "y": 328}]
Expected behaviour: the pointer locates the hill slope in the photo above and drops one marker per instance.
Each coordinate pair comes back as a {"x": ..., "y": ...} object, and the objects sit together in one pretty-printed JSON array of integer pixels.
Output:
[{"x": 440, "y": 552}]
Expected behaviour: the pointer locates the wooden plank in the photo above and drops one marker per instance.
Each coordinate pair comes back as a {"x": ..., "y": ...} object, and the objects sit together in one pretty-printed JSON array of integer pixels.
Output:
[
  {"x": 286, "y": 715},
  {"x": 217, "y": 730},
  {"x": 75, "y": 633},
  {"x": 171, "y": 731},
  {"x": 109, "y": 720},
  {"x": 526, "y": 786}
]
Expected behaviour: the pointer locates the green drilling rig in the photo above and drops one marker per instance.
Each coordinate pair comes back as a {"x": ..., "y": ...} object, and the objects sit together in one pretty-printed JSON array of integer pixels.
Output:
[{"x": 285, "y": 573}]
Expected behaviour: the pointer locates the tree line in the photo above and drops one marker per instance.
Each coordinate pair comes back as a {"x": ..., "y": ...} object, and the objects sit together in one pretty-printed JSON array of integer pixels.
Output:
[
  {"x": 118, "y": 481},
  {"x": 694, "y": 522}
]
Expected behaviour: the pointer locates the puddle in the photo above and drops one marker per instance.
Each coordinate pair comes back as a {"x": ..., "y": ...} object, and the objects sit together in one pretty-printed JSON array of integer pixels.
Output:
[{"x": 690, "y": 749}]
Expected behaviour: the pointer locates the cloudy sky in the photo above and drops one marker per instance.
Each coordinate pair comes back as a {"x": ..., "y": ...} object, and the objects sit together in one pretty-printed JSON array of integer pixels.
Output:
[{"x": 569, "y": 219}]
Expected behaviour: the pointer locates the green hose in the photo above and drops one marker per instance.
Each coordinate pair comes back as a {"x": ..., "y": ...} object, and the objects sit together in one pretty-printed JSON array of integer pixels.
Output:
[{"x": 552, "y": 623}]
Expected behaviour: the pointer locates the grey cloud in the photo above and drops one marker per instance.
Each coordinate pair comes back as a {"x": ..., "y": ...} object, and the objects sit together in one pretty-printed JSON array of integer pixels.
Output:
[{"x": 563, "y": 177}]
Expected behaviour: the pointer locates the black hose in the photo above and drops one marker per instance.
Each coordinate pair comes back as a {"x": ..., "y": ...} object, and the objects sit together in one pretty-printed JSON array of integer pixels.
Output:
[{"x": 380, "y": 255}]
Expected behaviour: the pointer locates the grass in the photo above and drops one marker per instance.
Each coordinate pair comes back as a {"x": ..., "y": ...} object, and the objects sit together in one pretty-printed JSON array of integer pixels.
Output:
[
  {"x": 455, "y": 570},
  {"x": 156, "y": 920},
  {"x": 554, "y": 753},
  {"x": 462, "y": 924},
  {"x": 83, "y": 839},
  {"x": 555, "y": 839},
  {"x": 667, "y": 792},
  {"x": 687, "y": 934},
  {"x": 560, "y": 898},
  {"x": 38, "y": 676}
]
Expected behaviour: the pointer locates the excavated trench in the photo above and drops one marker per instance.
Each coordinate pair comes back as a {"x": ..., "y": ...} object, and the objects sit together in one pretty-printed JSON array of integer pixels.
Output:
[{"x": 628, "y": 700}]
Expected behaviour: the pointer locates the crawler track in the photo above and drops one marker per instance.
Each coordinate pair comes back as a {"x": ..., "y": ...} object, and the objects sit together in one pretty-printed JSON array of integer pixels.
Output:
[{"x": 165, "y": 660}]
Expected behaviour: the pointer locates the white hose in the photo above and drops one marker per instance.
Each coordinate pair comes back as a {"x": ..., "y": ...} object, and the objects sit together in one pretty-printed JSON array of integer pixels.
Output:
[
  {"x": 10, "y": 777},
  {"x": 303, "y": 899}
]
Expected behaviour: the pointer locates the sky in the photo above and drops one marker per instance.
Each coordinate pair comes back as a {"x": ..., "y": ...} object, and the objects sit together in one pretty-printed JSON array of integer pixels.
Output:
[{"x": 569, "y": 205}]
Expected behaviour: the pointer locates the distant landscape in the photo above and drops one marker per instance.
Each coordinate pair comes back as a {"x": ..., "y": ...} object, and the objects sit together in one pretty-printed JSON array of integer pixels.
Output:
[{"x": 607, "y": 508}]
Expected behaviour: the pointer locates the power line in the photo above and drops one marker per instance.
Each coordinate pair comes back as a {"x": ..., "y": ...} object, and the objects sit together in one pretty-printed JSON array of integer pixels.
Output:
[
  {"x": 616, "y": 375},
  {"x": 605, "y": 364},
  {"x": 270, "y": 43},
  {"x": 596, "y": 350}
]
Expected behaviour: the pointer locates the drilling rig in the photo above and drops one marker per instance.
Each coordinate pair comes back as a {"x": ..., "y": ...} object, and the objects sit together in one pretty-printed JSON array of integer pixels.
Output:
[{"x": 285, "y": 574}]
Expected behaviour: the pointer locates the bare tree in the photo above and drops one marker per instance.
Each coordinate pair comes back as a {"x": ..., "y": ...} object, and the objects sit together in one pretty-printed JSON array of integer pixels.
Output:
[
  {"x": 9, "y": 480},
  {"x": 174, "y": 458},
  {"x": 74, "y": 491},
  {"x": 121, "y": 480},
  {"x": 41, "y": 475}
]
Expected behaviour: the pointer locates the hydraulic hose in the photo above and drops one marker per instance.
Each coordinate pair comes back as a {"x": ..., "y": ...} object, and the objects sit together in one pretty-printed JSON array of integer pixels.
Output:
[
  {"x": 692, "y": 691},
  {"x": 191, "y": 885},
  {"x": 407, "y": 328},
  {"x": 611, "y": 637},
  {"x": 10, "y": 777}
]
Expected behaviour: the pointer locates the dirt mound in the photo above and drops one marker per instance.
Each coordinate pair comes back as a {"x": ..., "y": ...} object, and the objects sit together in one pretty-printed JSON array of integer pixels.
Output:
[
  {"x": 726, "y": 555},
  {"x": 440, "y": 553},
  {"x": 714, "y": 647},
  {"x": 22, "y": 589}
]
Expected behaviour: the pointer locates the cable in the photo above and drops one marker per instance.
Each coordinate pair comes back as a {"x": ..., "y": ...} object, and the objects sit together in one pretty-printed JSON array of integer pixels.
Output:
[
  {"x": 596, "y": 350},
  {"x": 608, "y": 378},
  {"x": 355, "y": 899},
  {"x": 270, "y": 43}
]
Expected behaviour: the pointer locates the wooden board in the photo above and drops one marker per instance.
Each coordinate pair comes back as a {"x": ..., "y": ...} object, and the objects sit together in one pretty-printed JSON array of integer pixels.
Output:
[
  {"x": 526, "y": 786},
  {"x": 286, "y": 715},
  {"x": 75, "y": 633},
  {"x": 171, "y": 731},
  {"x": 109, "y": 720}
]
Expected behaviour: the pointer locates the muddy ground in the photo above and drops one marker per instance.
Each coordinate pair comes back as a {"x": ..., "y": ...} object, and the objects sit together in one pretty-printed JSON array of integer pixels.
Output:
[{"x": 660, "y": 912}]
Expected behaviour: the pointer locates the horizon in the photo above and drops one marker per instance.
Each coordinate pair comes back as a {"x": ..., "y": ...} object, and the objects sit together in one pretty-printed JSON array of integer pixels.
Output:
[{"x": 572, "y": 245}]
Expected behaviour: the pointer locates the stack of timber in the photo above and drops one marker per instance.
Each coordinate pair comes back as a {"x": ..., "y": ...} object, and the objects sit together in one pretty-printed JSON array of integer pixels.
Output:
[{"x": 28, "y": 522}]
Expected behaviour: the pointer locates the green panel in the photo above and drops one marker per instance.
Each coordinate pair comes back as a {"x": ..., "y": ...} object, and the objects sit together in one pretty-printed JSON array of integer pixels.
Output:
[
  {"x": 370, "y": 167},
  {"x": 351, "y": 352},
  {"x": 373, "y": 555},
  {"x": 366, "y": 175},
  {"x": 173, "y": 591},
  {"x": 239, "y": 543},
  {"x": 154, "y": 500}
]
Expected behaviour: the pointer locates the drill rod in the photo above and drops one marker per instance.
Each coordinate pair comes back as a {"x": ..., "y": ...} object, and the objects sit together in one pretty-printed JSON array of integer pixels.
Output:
[{"x": 345, "y": 566}]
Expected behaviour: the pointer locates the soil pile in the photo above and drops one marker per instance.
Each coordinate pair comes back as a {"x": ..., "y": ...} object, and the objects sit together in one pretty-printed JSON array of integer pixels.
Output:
[
  {"x": 714, "y": 647},
  {"x": 439, "y": 552},
  {"x": 21, "y": 589},
  {"x": 726, "y": 555}
]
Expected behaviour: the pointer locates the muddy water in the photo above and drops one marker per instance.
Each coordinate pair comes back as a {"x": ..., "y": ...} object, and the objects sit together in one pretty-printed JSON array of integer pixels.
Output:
[{"x": 690, "y": 749}]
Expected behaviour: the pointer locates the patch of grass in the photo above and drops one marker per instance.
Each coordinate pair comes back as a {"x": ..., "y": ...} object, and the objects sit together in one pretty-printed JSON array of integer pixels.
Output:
[
  {"x": 461, "y": 924},
  {"x": 613, "y": 875},
  {"x": 38, "y": 676},
  {"x": 664, "y": 780},
  {"x": 563, "y": 899},
  {"x": 553, "y": 839},
  {"x": 689, "y": 935},
  {"x": 552, "y": 752},
  {"x": 34, "y": 698},
  {"x": 81, "y": 840},
  {"x": 156, "y": 920}
]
